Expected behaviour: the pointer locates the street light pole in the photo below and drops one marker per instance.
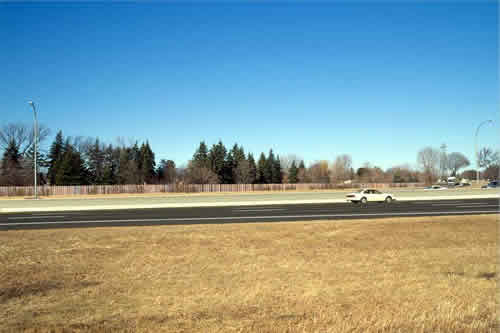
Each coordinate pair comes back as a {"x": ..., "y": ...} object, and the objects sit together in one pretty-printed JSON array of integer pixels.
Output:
[
  {"x": 475, "y": 147},
  {"x": 36, "y": 141}
]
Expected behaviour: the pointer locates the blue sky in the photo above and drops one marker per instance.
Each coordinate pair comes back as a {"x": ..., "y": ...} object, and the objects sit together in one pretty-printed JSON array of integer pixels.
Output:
[{"x": 376, "y": 80}]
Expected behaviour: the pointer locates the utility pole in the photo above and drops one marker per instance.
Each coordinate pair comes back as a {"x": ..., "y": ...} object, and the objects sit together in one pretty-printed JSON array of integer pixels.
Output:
[{"x": 443, "y": 160}]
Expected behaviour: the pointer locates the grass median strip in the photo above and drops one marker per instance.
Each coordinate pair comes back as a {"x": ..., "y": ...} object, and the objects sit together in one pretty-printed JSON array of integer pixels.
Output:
[{"x": 418, "y": 274}]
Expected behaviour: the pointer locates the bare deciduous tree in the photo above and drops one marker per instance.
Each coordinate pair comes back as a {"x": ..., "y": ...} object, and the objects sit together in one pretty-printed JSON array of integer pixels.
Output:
[
  {"x": 401, "y": 174},
  {"x": 200, "y": 175},
  {"x": 303, "y": 176},
  {"x": 242, "y": 173},
  {"x": 341, "y": 168},
  {"x": 22, "y": 135},
  {"x": 487, "y": 157},
  {"x": 320, "y": 172},
  {"x": 428, "y": 160}
]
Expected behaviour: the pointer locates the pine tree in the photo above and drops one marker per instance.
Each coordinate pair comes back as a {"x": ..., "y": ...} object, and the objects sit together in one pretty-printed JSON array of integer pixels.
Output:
[
  {"x": 96, "y": 163},
  {"x": 55, "y": 157},
  {"x": 166, "y": 172},
  {"x": 12, "y": 172},
  {"x": 64, "y": 165},
  {"x": 133, "y": 173},
  {"x": 123, "y": 166},
  {"x": 79, "y": 171},
  {"x": 292, "y": 175},
  {"x": 217, "y": 158},
  {"x": 148, "y": 164},
  {"x": 229, "y": 169},
  {"x": 72, "y": 169},
  {"x": 277, "y": 173},
  {"x": 238, "y": 154},
  {"x": 136, "y": 156},
  {"x": 261, "y": 179},
  {"x": 11, "y": 156},
  {"x": 268, "y": 170},
  {"x": 252, "y": 169},
  {"x": 110, "y": 166},
  {"x": 28, "y": 164},
  {"x": 200, "y": 157}
]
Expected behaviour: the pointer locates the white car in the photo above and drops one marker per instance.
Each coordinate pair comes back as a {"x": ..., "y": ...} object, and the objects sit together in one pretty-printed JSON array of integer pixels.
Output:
[{"x": 369, "y": 194}]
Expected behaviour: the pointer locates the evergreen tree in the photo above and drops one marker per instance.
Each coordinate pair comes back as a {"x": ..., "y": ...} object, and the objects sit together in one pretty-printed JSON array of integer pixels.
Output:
[
  {"x": 12, "y": 172},
  {"x": 261, "y": 179},
  {"x": 229, "y": 169},
  {"x": 72, "y": 169},
  {"x": 110, "y": 166},
  {"x": 301, "y": 165},
  {"x": 11, "y": 156},
  {"x": 277, "y": 176},
  {"x": 133, "y": 175},
  {"x": 123, "y": 166},
  {"x": 200, "y": 157},
  {"x": 166, "y": 172},
  {"x": 217, "y": 158},
  {"x": 268, "y": 169},
  {"x": 55, "y": 157},
  {"x": 135, "y": 155},
  {"x": 41, "y": 159},
  {"x": 28, "y": 164},
  {"x": 148, "y": 164},
  {"x": 238, "y": 155},
  {"x": 96, "y": 163},
  {"x": 292, "y": 175},
  {"x": 252, "y": 169}
]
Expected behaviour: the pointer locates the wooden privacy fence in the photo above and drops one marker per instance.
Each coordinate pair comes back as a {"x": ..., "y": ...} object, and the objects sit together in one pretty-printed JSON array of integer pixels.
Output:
[{"x": 69, "y": 190}]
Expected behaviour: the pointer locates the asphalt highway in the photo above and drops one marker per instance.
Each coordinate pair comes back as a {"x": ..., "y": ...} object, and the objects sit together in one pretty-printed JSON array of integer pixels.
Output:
[{"x": 244, "y": 214}]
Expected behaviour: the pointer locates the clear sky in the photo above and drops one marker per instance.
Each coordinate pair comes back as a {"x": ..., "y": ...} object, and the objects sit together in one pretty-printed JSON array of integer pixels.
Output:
[{"x": 376, "y": 80}]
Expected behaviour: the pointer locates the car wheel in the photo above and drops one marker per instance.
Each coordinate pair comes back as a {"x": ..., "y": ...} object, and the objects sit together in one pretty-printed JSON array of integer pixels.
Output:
[
  {"x": 363, "y": 200},
  {"x": 388, "y": 200}
]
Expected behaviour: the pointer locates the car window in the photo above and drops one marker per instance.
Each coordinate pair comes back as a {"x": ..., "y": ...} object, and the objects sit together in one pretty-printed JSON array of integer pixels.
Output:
[{"x": 377, "y": 192}]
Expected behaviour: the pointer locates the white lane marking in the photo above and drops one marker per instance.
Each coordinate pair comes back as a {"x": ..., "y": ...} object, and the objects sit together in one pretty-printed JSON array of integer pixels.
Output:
[
  {"x": 52, "y": 213},
  {"x": 448, "y": 204},
  {"x": 35, "y": 217},
  {"x": 476, "y": 206},
  {"x": 478, "y": 203},
  {"x": 254, "y": 217},
  {"x": 258, "y": 210}
]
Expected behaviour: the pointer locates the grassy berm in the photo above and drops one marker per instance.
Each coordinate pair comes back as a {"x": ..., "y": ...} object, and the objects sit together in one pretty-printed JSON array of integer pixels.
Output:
[{"x": 396, "y": 275}]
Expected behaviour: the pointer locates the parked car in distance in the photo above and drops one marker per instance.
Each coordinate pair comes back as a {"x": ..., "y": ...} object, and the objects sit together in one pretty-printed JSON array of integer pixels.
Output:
[
  {"x": 492, "y": 184},
  {"x": 452, "y": 181},
  {"x": 463, "y": 184},
  {"x": 435, "y": 188},
  {"x": 369, "y": 194}
]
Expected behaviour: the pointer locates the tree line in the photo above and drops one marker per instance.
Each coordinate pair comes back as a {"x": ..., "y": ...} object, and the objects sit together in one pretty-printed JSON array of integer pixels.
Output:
[
  {"x": 89, "y": 161},
  {"x": 437, "y": 164}
]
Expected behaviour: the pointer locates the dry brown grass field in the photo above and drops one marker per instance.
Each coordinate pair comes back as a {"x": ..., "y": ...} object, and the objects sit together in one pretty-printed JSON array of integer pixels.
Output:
[{"x": 396, "y": 275}]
